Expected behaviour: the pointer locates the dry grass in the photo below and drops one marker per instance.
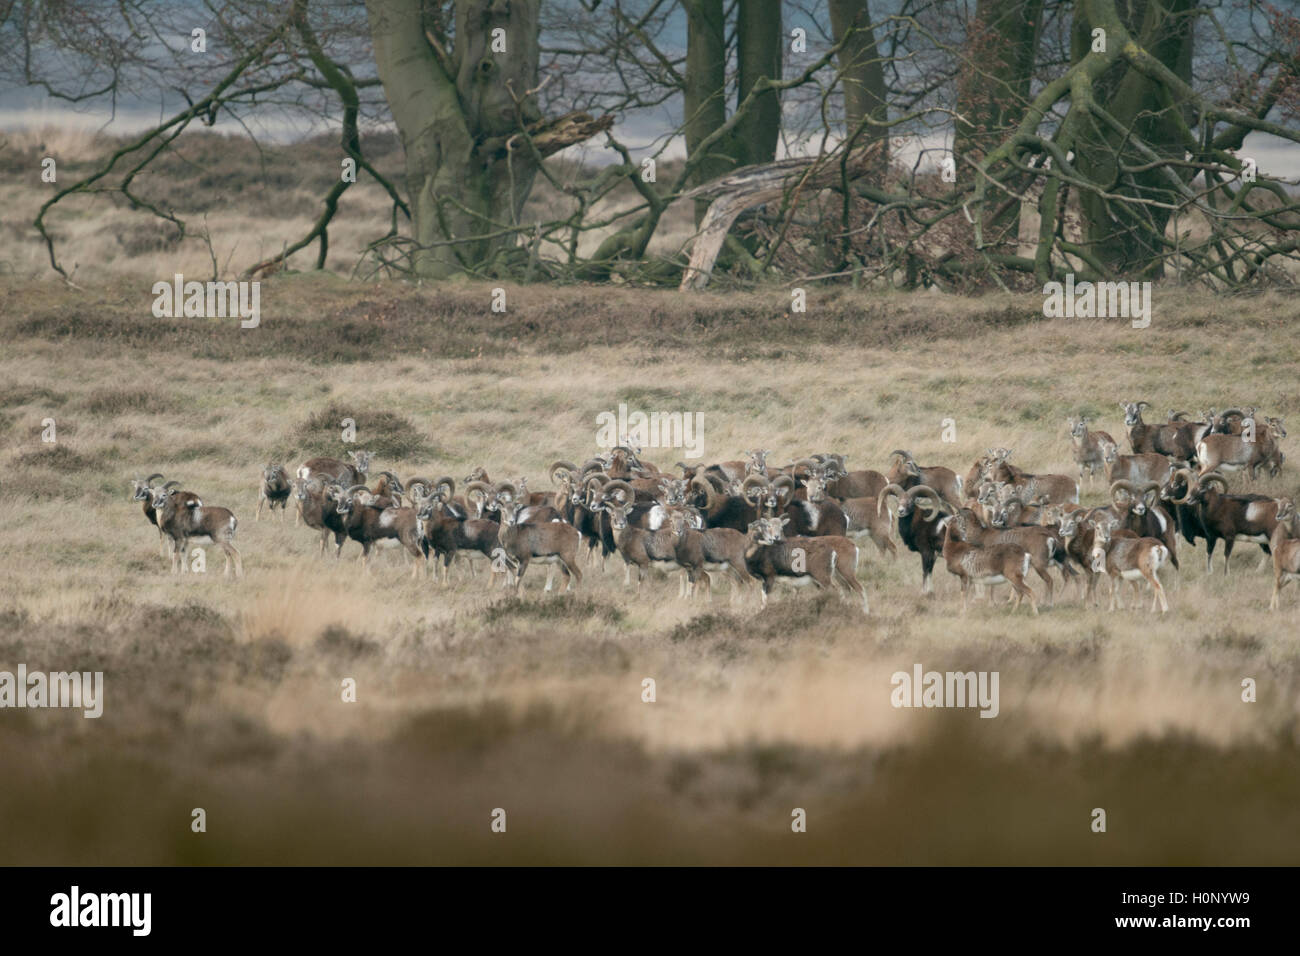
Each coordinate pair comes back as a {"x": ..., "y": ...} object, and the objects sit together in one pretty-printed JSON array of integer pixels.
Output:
[{"x": 227, "y": 696}]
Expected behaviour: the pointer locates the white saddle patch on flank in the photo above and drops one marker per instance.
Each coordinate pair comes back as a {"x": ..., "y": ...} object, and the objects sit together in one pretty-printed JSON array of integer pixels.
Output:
[{"x": 1256, "y": 510}]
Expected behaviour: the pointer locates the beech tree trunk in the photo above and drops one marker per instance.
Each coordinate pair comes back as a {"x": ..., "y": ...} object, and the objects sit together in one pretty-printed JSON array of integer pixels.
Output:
[
  {"x": 1126, "y": 241},
  {"x": 759, "y": 49},
  {"x": 863, "y": 75},
  {"x": 759, "y": 55},
  {"x": 456, "y": 112},
  {"x": 992, "y": 96}
]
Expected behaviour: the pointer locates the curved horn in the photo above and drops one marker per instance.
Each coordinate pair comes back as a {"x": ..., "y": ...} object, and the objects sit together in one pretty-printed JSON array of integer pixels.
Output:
[
  {"x": 1188, "y": 476},
  {"x": 924, "y": 491},
  {"x": 833, "y": 465},
  {"x": 1149, "y": 488},
  {"x": 753, "y": 484},
  {"x": 613, "y": 486},
  {"x": 700, "y": 483},
  {"x": 927, "y": 506},
  {"x": 481, "y": 487},
  {"x": 1214, "y": 478},
  {"x": 156, "y": 474},
  {"x": 567, "y": 467},
  {"x": 169, "y": 484},
  {"x": 591, "y": 486},
  {"x": 783, "y": 481},
  {"x": 921, "y": 493},
  {"x": 505, "y": 488},
  {"x": 419, "y": 482},
  {"x": 1125, "y": 486},
  {"x": 889, "y": 489}
]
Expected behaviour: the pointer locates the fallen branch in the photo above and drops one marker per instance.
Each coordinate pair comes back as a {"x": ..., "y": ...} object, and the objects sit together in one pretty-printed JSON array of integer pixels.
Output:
[{"x": 753, "y": 186}]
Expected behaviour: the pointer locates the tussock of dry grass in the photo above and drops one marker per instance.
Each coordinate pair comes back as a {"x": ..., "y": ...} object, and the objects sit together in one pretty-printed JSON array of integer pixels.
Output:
[
  {"x": 388, "y": 435},
  {"x": 120, "y": 400},
  {"x": 227, "y": 695}
]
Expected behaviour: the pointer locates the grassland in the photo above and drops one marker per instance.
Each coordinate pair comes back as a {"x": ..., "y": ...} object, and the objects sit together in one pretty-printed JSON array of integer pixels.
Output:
[{"x": 226, "y": 695}]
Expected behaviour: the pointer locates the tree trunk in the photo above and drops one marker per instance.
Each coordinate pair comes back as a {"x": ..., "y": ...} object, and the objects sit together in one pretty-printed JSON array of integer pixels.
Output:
[
  {"x": 863, "y": 76},
  {"x": 446, "y": 108},
  {"x": 1125, "y": 242},
  {"x": 705, "y": 96},
  {"x": 992, "y": 93},
  {"x": 759, "y": 49}
]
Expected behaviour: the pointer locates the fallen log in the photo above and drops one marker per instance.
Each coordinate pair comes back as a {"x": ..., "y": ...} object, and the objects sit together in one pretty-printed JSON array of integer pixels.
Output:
[{"x": 752, "y": 186}]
